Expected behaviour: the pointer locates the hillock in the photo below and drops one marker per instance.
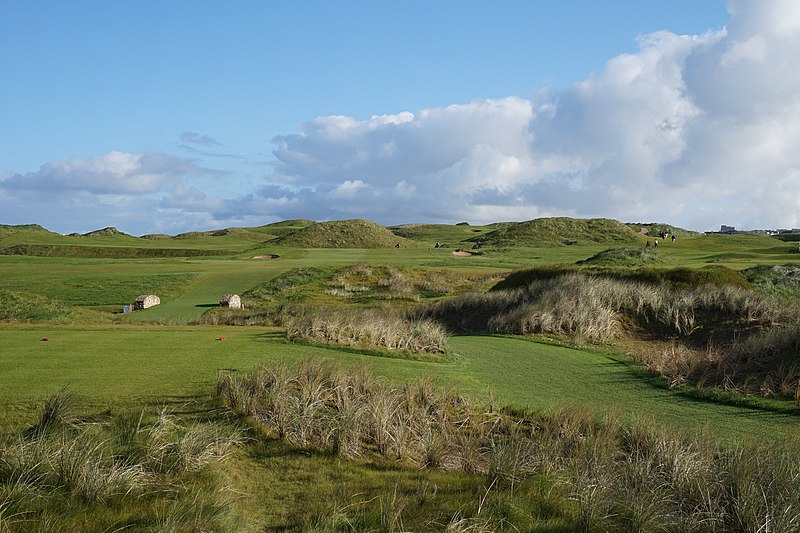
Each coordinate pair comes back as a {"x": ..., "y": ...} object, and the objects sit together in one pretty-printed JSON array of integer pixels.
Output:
[
  {"x": 623, "y": 257},
  {"x": 561, "y": 231},
  {"x": 343, "y": 234},
  {"x": 110, "y": 231},
  {"x": 6, "y": 228},
  {"x": 651, "y": 229}
]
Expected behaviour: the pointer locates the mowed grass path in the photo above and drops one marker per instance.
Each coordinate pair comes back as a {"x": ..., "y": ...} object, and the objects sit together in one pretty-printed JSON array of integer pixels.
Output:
[{"x": 128, "y": 368}]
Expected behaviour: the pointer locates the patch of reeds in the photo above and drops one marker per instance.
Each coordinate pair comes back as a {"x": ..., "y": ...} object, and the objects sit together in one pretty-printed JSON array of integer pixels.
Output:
[
  {"x": 365, "y": 329},
  {"x": 598, "y": 474}
]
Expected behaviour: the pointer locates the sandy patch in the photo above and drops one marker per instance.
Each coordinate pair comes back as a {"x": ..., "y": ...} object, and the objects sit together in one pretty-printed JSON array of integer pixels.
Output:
[
  {"x": 463, "y": 253},
  {"x": 268, "y": 256}
]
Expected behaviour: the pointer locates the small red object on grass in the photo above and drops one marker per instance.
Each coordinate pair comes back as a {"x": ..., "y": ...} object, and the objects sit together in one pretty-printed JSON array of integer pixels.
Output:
[
  {"x": 221, "y": 339},
  {"x": 45, "y": 339}
]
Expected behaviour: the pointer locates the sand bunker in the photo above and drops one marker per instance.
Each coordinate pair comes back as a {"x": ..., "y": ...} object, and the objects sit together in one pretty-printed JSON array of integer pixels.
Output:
[
  {"x": 268, "y": 256},
  {"x": 463, "y": 253}
]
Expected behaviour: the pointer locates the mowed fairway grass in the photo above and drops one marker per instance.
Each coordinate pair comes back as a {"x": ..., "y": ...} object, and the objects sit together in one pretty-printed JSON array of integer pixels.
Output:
[{"x": 124, "y": 368}]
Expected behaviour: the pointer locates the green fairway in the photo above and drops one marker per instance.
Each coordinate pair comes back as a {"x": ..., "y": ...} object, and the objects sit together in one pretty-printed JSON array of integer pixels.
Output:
[
  {"x": 148, "y": 363},
  {"x": 125, "y": 367}
]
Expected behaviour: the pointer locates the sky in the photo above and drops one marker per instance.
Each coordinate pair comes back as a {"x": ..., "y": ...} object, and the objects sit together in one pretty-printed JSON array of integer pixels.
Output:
[{"x": 165, "y": 117}]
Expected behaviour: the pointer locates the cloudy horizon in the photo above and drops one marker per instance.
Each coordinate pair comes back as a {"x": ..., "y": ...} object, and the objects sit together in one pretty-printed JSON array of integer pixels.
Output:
[{"x": 694, "y": 130}]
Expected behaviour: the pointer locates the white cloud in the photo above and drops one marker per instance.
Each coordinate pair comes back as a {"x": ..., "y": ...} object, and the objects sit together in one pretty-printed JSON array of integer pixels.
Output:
[
  {"x": 199, "y": 138},
  {"x": 111, "y": 173},
  {"x": 697, "y": 130}
]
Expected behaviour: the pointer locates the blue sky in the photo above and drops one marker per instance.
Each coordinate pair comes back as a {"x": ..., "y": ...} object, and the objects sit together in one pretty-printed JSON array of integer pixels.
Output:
[{"x": 176, "y": 116}]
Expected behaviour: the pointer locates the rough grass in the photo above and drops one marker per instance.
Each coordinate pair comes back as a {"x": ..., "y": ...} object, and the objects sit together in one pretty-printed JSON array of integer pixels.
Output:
[
  {"x": 18, "y": 307},
  {"x": 66, "y": 473},
  {"x": 674, "y": 277},
  {"x": 778, "y": 280},
  {"x": 588, "y": 474},
  {"x": 626, "y": 257},
  {"x": 749, "y": 340},
  {"x": 363, "y": 328}
]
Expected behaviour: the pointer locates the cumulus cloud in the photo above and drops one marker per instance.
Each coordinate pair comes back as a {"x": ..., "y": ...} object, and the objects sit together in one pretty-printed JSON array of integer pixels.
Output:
[
  {"x": 113, "y": 188},
  {"x": 698, "y": 130},
  {"x": 110, "y": 174}
]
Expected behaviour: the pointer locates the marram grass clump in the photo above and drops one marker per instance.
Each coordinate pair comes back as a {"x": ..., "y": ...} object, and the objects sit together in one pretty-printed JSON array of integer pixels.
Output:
[{"x": 66, "y": 473}]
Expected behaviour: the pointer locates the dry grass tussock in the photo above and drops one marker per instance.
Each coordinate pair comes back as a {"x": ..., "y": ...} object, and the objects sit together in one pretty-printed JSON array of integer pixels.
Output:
[
  {"x": 365, "y": 328},
  {"x": 64, "y": 463},
  {"x": 749, "y": 341},
  {"x": 615, "y": 476}
]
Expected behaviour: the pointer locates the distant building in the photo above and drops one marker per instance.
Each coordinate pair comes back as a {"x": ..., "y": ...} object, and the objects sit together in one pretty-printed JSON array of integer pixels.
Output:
[{"x": 727, "y": 229}]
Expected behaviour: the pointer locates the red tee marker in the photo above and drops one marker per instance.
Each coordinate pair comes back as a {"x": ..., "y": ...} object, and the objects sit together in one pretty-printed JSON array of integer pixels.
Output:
[
  {"x": 221, "y": 339},
  {"x": 45, "y": 339}
]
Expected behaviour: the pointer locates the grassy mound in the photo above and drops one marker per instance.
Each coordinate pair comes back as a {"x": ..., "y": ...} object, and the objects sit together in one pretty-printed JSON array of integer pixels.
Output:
[
  {"x": 106, "y": 232},
  {"x": 779, "y": 280},
  {"x": 5, "y": 228},
  {"x": 561, "y": 231},
  {"x": 623, "y": 257},
  {"x": 344, "y": 234},
  {"x": 651, "y": 229},
  {"x": 19, "y": 307}
]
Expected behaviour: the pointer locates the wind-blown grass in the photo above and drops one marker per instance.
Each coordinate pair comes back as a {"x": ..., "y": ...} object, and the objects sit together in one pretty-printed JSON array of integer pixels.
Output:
[
  {"x": 365, "y": 329},
  {"x": 120, "y": 473},
  {"x": 724, "y": 335},
  {"x": 594, "y": 474}
]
